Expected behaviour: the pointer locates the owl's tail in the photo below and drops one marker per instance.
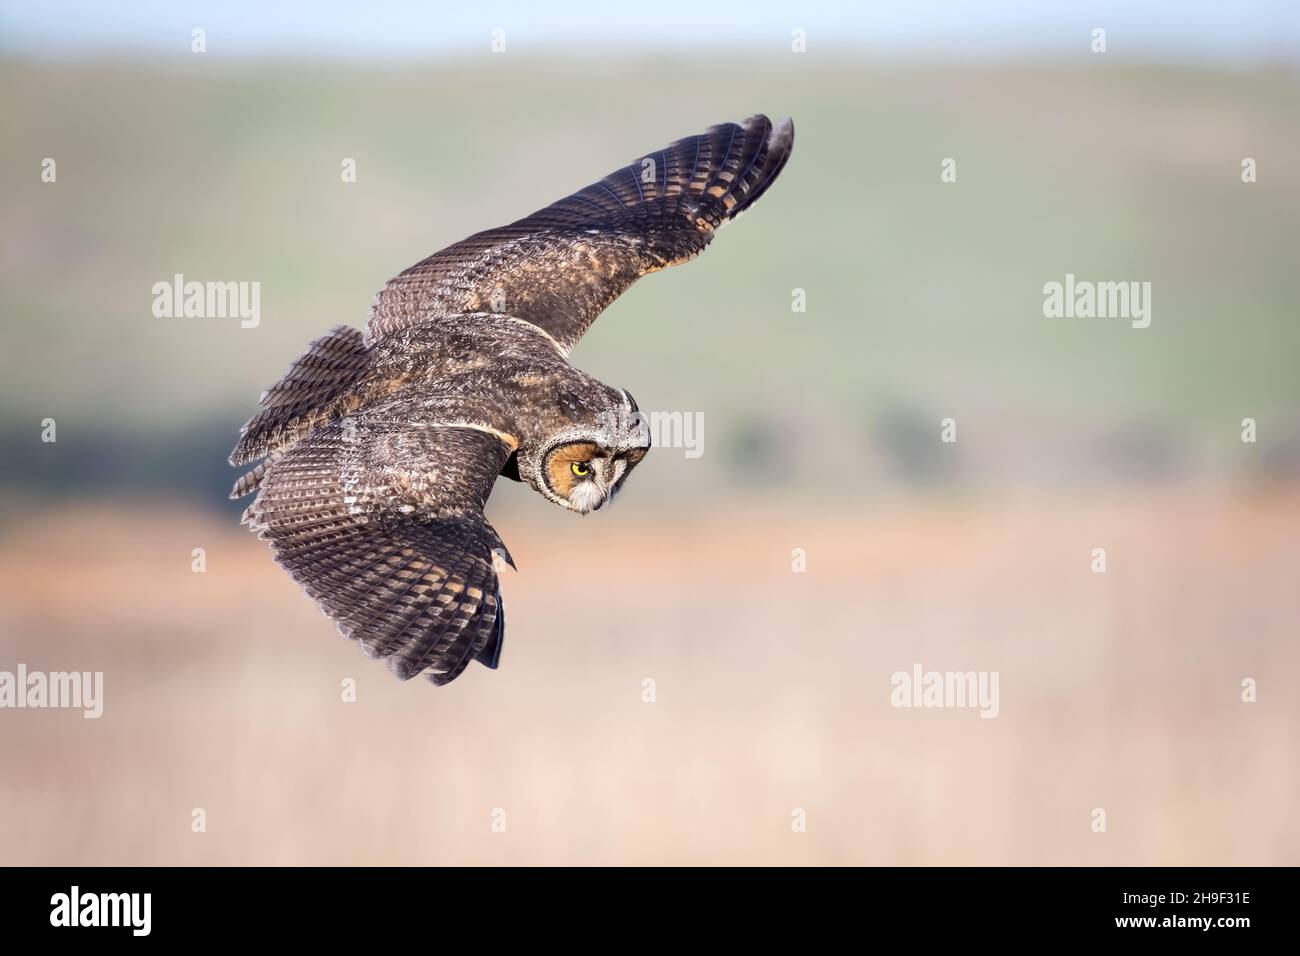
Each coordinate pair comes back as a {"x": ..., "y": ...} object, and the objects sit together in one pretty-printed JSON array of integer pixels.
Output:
[{"x": 331, "y": 366}]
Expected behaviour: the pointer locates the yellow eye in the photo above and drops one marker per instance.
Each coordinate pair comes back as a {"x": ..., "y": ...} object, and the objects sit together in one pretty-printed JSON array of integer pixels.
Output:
[{"x": 580, "y": 469}]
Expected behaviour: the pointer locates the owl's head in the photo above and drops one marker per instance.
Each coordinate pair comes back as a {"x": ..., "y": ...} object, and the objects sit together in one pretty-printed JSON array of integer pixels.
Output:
[
  {"x": 584, "y": 475},
  {"x": 584, "y": 467}
]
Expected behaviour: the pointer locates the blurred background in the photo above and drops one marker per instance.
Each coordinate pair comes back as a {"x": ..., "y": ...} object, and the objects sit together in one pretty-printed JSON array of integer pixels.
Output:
[{"x": 821, "y": 432}]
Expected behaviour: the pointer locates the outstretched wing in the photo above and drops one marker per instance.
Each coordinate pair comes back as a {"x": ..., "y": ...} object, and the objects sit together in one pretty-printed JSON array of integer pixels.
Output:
[
  {"x": 383, "y": 526},
  {"x": 561, "y": 266}
]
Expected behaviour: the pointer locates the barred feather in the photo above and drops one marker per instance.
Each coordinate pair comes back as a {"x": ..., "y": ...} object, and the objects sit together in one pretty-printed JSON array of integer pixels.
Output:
[
  {"x": 561, "y": 266},
  {"x": 417, "y": 588}
]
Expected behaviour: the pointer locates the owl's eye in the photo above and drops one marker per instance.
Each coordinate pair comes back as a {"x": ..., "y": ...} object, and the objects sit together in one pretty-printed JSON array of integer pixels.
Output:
[{"x": 580, "y": 468}]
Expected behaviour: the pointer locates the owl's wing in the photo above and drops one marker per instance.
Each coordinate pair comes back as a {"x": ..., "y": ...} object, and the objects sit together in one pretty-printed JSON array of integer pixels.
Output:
[
  {"x": 561, "y": 266},
  {"x": 383, "y": 526}
]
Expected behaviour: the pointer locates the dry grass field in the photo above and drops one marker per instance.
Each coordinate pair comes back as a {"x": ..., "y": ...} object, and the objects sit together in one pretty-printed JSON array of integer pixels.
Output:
[{"x": 1118, "y": 690}]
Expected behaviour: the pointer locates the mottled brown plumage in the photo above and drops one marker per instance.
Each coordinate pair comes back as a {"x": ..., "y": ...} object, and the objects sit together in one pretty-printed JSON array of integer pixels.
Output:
[{"x": 380, "y": 451}]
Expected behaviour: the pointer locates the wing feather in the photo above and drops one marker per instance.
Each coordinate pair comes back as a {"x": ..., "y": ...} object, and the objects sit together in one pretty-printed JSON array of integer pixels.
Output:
[
  {"x": 332, "y": 365},
  {"x": 384, "y": 528},
  {"x": 561, "y": 266}
]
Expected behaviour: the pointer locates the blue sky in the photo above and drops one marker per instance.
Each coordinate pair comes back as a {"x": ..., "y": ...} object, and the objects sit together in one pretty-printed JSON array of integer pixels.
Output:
[{"x": 1181, "y": 30}]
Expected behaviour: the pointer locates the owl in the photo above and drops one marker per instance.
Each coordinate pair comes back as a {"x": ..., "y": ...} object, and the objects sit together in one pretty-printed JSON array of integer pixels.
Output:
[{"x": 374, "y": 456}]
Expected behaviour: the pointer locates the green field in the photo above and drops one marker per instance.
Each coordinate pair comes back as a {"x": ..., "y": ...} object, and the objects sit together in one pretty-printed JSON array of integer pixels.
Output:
[{"x": 924, "y": 298}]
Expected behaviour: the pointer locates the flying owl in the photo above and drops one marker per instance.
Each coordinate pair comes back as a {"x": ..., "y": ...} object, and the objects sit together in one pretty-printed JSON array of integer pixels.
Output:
[{"x": 379, "y": 450}]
